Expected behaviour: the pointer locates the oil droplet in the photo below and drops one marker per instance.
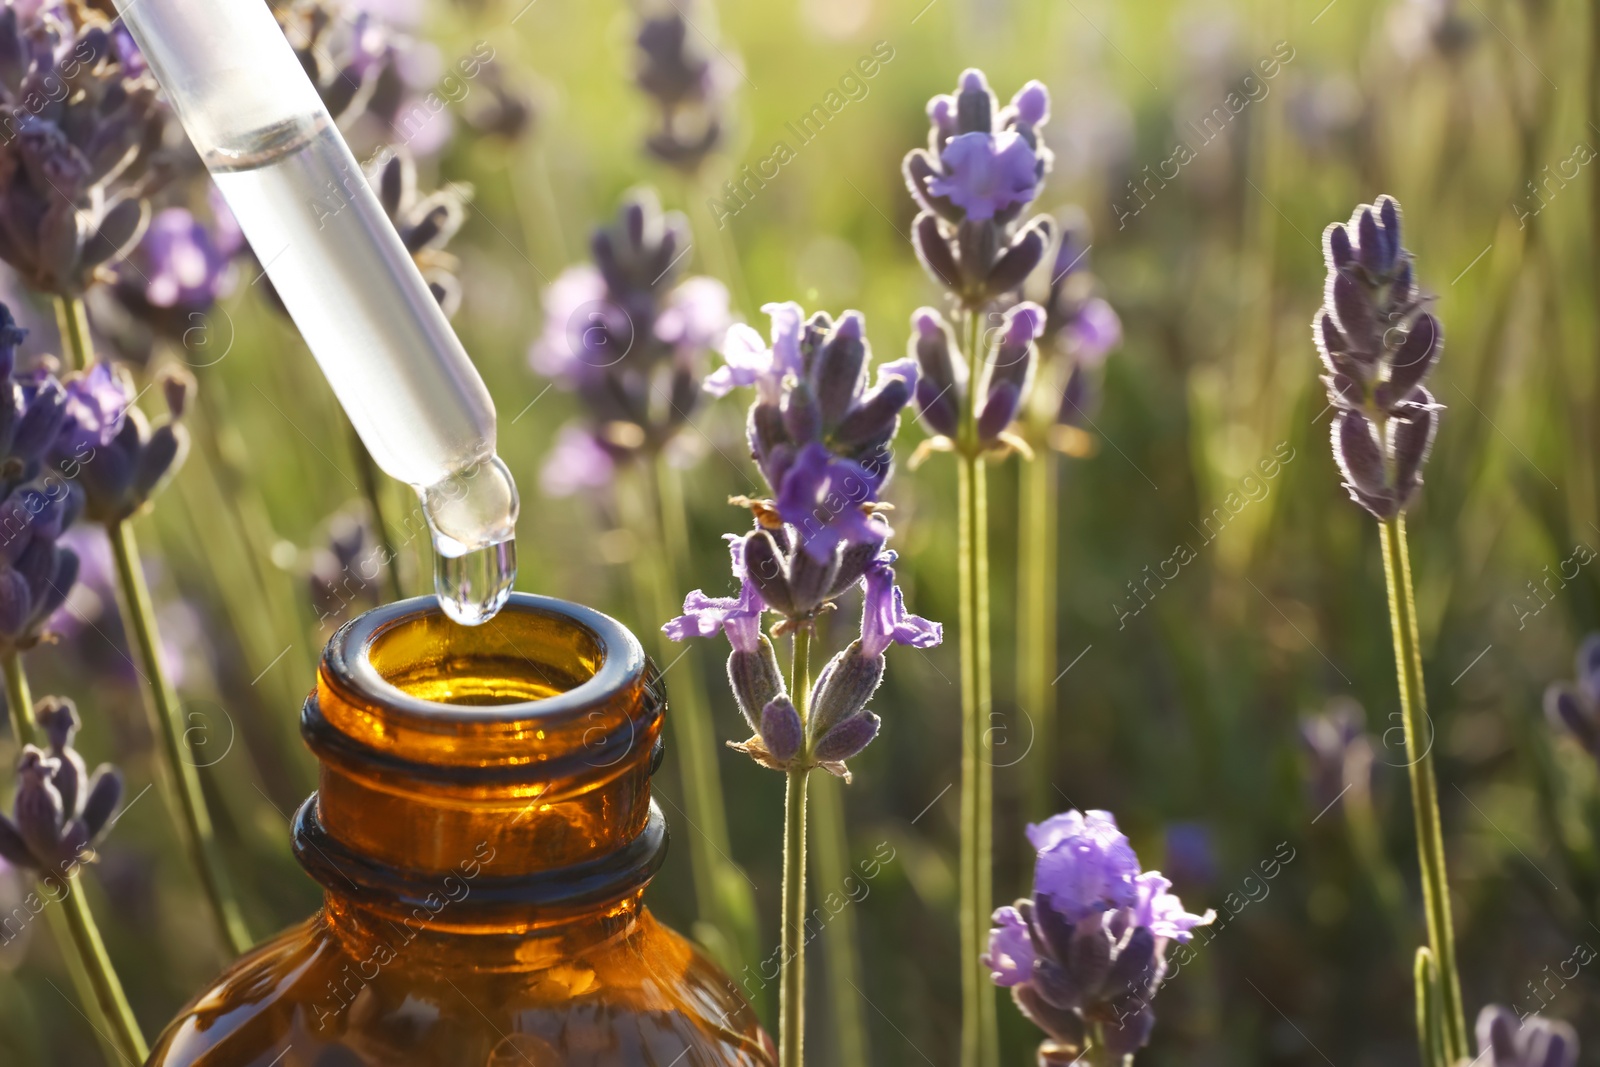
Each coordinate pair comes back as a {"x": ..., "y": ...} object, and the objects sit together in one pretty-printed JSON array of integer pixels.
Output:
[
  {"x": 474, "y": 586},
  {"x": 473, "y": 516}
]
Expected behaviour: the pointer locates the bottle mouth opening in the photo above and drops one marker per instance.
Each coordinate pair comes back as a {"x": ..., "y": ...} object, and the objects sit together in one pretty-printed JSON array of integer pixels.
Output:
[{"x": 538, "y": 658}]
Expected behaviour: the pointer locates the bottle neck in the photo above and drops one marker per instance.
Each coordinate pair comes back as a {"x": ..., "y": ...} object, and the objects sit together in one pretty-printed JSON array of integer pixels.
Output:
[{"x": 490, "y": 782}]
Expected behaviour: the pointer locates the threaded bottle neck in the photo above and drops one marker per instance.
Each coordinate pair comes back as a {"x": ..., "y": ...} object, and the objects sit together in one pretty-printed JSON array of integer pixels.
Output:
[{"x": 485, "y": 779}]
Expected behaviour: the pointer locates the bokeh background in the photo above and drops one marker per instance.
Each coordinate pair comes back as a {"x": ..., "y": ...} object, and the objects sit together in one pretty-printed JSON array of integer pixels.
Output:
[{"x": 1185, "y": 718}]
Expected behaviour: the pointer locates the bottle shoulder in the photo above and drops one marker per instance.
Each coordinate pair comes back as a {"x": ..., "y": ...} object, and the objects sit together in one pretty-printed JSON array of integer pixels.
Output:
[{"x": 643, "y": 996}]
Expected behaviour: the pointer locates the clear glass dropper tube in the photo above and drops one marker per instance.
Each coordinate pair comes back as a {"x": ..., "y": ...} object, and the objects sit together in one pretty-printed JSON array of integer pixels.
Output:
[{"x": 349, "y": 284}]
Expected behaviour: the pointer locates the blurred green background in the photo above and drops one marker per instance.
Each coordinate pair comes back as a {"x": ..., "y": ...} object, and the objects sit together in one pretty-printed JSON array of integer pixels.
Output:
[{"x": 1187, "y": 713}]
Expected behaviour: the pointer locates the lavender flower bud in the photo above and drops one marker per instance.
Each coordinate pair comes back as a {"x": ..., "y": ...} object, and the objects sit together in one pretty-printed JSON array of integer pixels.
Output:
[
  {"x": 765, "y": 566},
  {"x": 937, "y": 257},
  {"x": 844, "y": 687},
  {"x": 1506, "y": 1039},
  {"x": 38, "y": 811},
  {"x": 810, "y": 579},
  {"x": 781, "y": 731},
  {"x": 1022, "y": 258},
  {"x": 847, "y": 739},
  {"x": 755, "y": 679},
  {"x": 853, "y": 563},
  {"x": 975, "y": 103},
  {"x": 876, "y": 418},
  {"x": 941, "y": 383},
  {"x": 1010, "y": 371},
  {"x": 838, "y": 374}
]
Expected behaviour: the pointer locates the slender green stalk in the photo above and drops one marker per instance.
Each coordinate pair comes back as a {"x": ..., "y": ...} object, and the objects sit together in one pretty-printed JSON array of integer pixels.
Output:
[
  {"x": 1099, "y": 1055},
  {"x": 1036, "y": 593},
  {"x": 72, "y": 319},
  {"x": 176, "y": 772},
  {"x": 721, "y": 890},
  {"x": 1424, "y": 788},
  {"x": 372, "y": 489},
  {"x": 830, "y": 842},
  {"x": 979, "y": 1038},
  {"x": 19, "y": 702},
  {"x": 792, "y": 944},
  {"x": 112, "y": 1002},
  {"x": 71, "y": 923}
]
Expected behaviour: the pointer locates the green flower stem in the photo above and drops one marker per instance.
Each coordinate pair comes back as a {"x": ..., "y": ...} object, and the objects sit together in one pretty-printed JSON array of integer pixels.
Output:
[
  {"x": 1036, "y": 592},
  {"x": 979, "y": 1037},
  {"x": 721, "y": 890},
  {"x": 176, "y": 772},
  {"x": 372, "y": 489},
  {"x": 72, "y": 925},
  {"x": 1099, "y": 1054},
  {"x": 73, "y": 917},
  {"x": 1424, "y": 789},
  {"x": 792, "y": 944},
  {"x": 72, "y": 319},
  {"x": 19, "y": 702},
  {"x": 830, "y": 841}
]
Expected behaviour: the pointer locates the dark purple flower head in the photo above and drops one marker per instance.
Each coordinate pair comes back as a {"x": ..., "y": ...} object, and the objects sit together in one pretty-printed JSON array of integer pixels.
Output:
[
  {"x": 1575, "y": 706},
  {"x": 71, "y": 182},
  {"x": 1080, "y": 330},
  {"x": 1089, "y": 948},
  {"x": 629, "y": 337},
  {"x": 111, "y": 450},
  {"x": 179, "y": 269},
  {"x": 1378, "y": 343},
  {"x": 426, "y": 222},
  {"x": 983, "y": 166},
  {"x": 1533, "y": 1041},
  {"x": 683, "y": 82},
  {"x": 1339, "y": 753},
  {"x": 811, "y": 388},
  {"x": 61, "y": 810}
]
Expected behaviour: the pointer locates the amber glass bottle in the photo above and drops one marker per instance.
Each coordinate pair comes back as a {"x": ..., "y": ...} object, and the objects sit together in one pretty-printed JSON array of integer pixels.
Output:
[{"x": 483, "y": 830}]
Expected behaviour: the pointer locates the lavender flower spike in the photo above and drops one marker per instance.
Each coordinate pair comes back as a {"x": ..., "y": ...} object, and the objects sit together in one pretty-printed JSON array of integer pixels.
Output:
[
  {"x": 1575, "y": 706},
  {"x": 983, "y": 166},
  {"x": 1534, "y": 1041},
  {"x": 1085, "y": 955},
  {"x": 1378, "y": 344}
]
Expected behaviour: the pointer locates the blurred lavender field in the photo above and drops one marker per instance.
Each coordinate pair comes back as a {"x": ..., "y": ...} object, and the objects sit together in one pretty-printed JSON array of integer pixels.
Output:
[{"x": 1224, "y": 675}]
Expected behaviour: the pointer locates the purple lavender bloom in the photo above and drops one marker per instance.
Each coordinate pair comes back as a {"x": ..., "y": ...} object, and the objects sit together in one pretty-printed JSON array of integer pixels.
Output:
[
  {"x": 823, "y": 497},
  {"x": 177, "y": 272},
  {"x": 686, "y": 88},
  {"x": 1339, "y": 753},
  {"x": 578, "y": 462},
  {"x": 811, "y": 388},
  {"x": 986, "y": 173},
  {"x": 982, "y": 167},
  {"x": 61, "y": 810},
  {"x": 1088, "y": 950},
  {"x": 1575, "y": 706},
  {"x": 1534, "y": 1041},
  {"x": 738, "y": 617},
  {"x": 110, "y": 450},
  {"x": 71, "y": 198},
  {"x": 1378, "y": 343},
  {"x": 627, "y": 336},
  {"x": 1007, "y": 377},
  {"x": 884, "y": 619},
  {"x": 426, "y": 222}
]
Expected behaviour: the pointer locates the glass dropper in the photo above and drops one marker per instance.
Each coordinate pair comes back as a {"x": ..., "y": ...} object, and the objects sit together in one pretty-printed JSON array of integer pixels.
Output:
[{"x": 349, "y": 284}]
